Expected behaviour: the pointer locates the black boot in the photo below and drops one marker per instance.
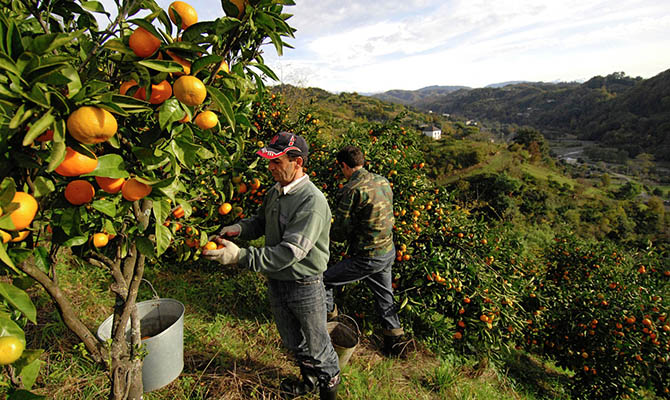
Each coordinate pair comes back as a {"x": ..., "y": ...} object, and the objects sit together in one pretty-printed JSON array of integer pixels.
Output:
[
  {"x": 291, "y": 388},
  {"x": 396, "y": 346},
  {"x": 328, "y": 390}
]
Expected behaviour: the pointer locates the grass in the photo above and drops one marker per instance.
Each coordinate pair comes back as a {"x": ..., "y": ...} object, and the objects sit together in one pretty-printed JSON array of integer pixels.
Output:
[{"x": 232, "y": 349}]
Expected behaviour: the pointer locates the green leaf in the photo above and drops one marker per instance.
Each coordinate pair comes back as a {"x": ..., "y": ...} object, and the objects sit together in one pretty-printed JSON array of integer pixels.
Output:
[
  {"x": 145, "y": 247},
  {"x": 75, "y": 241},
  {"x": 223, "y": 105},
  {"x": 48, "y": 42},
  {"x": 161, "y": 210},
  {"x": 75, "y": 82},
  {"x": 162, "y": 65},
  {"x": 36, "y": 95},
  {"x": 23, "y": 394},
  {"x": 43, "y": 186},
  {"x": 39, "y": 127},
  {"x": 8, "y": 64},
  {"x": 146, "y": 25},
  {"x": 106, "y": 207},
  {"x": 185, "y": 151},
  {"x": 163, "y": 239},
  {"x": 266, "y": 70},
  {"x": 117, "y": 45},
  {"x": 110, "y": 166},
  {"x": 94, "y": 6},
  {"x": 170, "y": 111},
  {"x": 19, "y": 299},
  {"x": 5, "y": 258},
  {"x": 29, "y": 374},
  {"x": 202, "y": 63},
  {"x": 57, "y": 154},
  {"x": 10, "y": 328},
  {"x": 42, "y": 260}
]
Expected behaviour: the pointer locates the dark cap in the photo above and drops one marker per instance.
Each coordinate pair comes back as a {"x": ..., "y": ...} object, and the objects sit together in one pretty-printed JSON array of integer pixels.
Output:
[{"x": 283, "y": 143}]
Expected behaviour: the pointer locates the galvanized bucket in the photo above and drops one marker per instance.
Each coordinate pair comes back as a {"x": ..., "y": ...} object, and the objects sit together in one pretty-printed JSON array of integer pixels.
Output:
[
  {"x": 344, "y": 335},
  {"x": 162, "y": 330}
]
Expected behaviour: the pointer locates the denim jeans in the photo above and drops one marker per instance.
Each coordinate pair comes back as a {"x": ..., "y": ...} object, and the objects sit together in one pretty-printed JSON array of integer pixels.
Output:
[
  {"x": 376, "y": 271},
  {"x": 299, "y": 310}
]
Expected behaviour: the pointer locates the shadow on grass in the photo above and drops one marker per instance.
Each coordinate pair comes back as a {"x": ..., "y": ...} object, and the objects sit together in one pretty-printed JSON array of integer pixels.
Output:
[{"x": 537, "y": 378}]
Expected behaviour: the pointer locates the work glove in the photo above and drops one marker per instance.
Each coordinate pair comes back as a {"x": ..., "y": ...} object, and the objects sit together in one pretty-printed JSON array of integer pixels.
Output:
[
  {"x": 229, "y": 254},
  {"x": 230, "y": 230}
]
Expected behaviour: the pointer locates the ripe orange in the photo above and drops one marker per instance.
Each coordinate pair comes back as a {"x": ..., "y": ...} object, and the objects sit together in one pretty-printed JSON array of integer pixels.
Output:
[
  {"x": 100, "y": 239},
  {"x": 134, "y": 190},
  {"x": 458, "y": 336},
  {"x": 91, "y": 125},
  {"x": 11, "y": 349},
  {"x": 206, "y": 120},
  {"x": 190, "y": 90},
  {"x": 186, "y": 65},
  {"x": 187, "y": 118},
  {"x": 187, "y": 14},
  {"x": 24, "y": 215},
  {"x": 225, "y": 208},
  {"x": 210, "y": 246},
  {"x": 79, "y": 192},
  {"x": 6, "y": 237},
  {"x": 76, "y": 164},
  {"x": 110, "y": 185},
  {"x": 159, "y": 92},
  {"x": 143, "y": 43},
  {"x": 242, "y": 188},
  {"x": 178, "y": 212},
  {"x": 255, "y": 183},
  {"x": 223, "y": 67}
]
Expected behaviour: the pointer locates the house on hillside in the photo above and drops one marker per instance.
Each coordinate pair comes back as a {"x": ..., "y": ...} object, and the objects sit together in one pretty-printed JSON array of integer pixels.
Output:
[{"x": 433, "y": 132}]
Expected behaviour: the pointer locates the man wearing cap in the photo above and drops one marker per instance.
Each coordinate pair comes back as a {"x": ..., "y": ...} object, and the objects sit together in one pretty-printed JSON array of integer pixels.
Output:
[
  {"x": 295, "y": 220},
  {"x": 364, "y": 219}
]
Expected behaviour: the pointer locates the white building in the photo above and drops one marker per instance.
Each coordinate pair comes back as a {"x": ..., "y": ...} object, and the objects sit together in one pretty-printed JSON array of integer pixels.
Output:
[{"x": 433, "y": 132}]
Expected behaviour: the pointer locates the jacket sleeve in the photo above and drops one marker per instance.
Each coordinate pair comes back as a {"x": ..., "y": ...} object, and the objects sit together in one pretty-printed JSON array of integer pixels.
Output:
[
  {"x": 298, "y": 239},
  {"x": 343, "y": 224}
]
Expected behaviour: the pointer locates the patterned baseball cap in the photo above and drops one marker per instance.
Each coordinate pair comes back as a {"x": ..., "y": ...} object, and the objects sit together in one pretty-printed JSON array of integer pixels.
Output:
[{"x": 283, "y": 143}]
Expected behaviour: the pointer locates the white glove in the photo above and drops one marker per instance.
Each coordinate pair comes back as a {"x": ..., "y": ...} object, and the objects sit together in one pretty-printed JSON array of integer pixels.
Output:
[
  {"x": 230, "y": 230},
  {"x": 229, "y": 254}
]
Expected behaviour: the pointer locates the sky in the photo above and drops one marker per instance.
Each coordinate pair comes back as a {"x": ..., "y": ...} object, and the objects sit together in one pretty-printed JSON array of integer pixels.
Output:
[{"x": 369, "y": 46}]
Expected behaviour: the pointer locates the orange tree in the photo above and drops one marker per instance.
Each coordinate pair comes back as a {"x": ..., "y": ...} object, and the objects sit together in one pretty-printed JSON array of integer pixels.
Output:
[
  {"x": 115, "y": 133},
  {"x": 605, "y": 317}
]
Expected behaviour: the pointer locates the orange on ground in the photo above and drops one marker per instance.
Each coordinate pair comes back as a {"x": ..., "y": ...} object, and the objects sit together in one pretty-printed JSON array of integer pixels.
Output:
[
  {"x": 79, "y": 192},
  {"x": 91, "y": 125},
  {"x": 76, "y": 164},
  {"x": 11, "y": 349},
  {"x": 143, "y": 43},
  {"x": 178, "y": 212},
  {"x": 190, "y": 90},
  {"x": 206, "y": 120},
  {"x": 225, "y": 208},
  {"x": 134, "y": 190},
  {"x": 110, "y": 185},
  {"x": 100, "y": 239},
  {"x": 24, "y": 215},
  {"x": 186, "y": 65},
  {"x": 187, "y": 14}
]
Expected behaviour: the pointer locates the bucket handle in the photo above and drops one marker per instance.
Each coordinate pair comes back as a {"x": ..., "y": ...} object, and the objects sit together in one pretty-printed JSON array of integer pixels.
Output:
[
  {"x": 152, "y": 289},
  {"x": 358, "y": 331}
]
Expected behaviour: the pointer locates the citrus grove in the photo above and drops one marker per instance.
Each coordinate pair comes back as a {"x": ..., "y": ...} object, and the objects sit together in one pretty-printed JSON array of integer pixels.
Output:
[
  {"x": 128, "y": 145},
  {"x": 110, "y": 132}
]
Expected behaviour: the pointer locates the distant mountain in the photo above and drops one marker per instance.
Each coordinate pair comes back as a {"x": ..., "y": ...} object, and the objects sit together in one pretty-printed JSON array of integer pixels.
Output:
[
  {"x": 503, "y": 84},
  {"x": 412, "y": 96}
]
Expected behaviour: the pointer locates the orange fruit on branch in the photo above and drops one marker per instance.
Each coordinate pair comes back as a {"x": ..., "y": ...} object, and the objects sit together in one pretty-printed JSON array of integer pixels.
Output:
[
  {"x": 178, "y": 212},
  {"x": 11, "y": 349},
  {"x": 143, "y": 43},
  {"x": 206, "y": 120},
  {"x": 91, "y": 125},
  {"x": 159, "y": 92},
  {"x": 110, "y": 185},
  {"x": 225, "y": 208},
  {"x": 79, "y": 192},
  {"x": 134, "y": 190},
  {"x": 190, "y": 90},
  {"x": 186, "y": 65},
  {"x": 23, "y": 216},
  {"x": 76, "y": 164},
  {"x": 100, "y": 239},
  {"x": 185, "y": 11}
]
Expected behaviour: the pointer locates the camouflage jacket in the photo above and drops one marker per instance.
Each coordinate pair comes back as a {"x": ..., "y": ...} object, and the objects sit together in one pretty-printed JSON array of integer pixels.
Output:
[{"x": 364, "y": 215}]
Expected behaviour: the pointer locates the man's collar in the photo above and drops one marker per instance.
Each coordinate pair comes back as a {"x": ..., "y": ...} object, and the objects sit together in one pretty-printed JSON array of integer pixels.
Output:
[{"x": 293, "y": 185}]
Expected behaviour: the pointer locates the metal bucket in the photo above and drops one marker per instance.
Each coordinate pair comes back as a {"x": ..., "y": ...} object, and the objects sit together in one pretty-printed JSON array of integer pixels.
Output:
[
  {"x": 344, "y": 335},
  {"x": 162, "y": 330}
]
